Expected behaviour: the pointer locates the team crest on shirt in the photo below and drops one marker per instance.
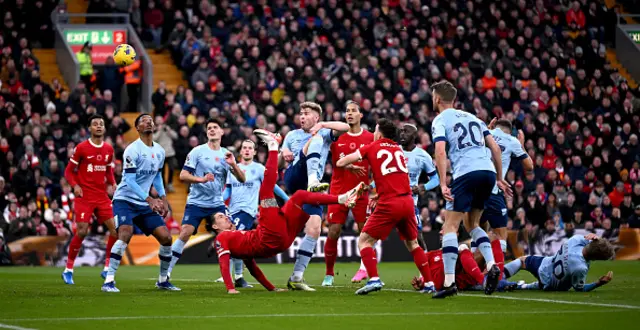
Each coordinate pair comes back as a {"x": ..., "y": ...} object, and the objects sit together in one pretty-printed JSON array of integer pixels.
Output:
[
  {"x": 158, "y": 156},
  {"x": 352, "y": 145},
  {"x": 106, "y": 158}
]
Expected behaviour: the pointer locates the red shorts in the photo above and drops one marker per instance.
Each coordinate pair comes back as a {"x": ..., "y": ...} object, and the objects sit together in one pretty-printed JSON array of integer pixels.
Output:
[
  {"x": 278, "y": 228},
  {"x": 84, "y": 209},
  {"x": 395, "y": 212},
  {"x": 338, "y": 213}
]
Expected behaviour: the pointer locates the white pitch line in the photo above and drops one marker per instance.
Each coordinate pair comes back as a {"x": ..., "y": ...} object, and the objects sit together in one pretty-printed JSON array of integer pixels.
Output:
[
  {"x": 251, "y": 316},
  {"x": 566, "y": 302},
  {"x": 13, "y": 327}
]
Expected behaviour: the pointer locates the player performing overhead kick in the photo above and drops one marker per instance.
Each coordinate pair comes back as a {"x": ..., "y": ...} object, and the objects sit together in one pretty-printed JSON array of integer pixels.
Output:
[
  {"x": 278, "y": 227},
  {"x": 143, "y": 160},
  {"x": 495, "y": 209},
  {"x": 206, "y": 169},
  {"x": 88, "y": 168},
  {"x": 243, "y": 199},
  {"x": 342, "y": 180},
  {"x": 307, "y": 149},
  {"x": 475, "y": 173},
  {"x": 395, "y": 207},
  {"x": 568, "y": 268}
]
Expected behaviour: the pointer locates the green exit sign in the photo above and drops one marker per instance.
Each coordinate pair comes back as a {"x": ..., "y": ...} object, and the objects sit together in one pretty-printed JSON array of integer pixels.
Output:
[
  {"x": 95, "y": 37},
  {"x": 635, "y": 36}
]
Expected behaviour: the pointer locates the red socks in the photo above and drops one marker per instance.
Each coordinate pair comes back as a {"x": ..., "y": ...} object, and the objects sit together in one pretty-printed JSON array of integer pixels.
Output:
[
  {"x": 422, "y": 262},
  {"x": 302, "y": 197},
  {"x": 370, "y": 262},
  {"x": 470, "y": 266},
  {"x": 498, "y": 255},
  {"x": 112, "y": 240},
  {"x": 330, "y": 254},
  {"x": 74, "y": 248}
]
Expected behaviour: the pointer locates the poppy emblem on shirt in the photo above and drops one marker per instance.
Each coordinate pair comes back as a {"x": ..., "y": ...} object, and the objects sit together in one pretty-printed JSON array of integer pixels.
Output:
[
  {"x": 99, "y": 158},
  {"x": 152, "y": 156},
  {"x": 217, "y": 159},
  {"x": 352, "y": 145}
]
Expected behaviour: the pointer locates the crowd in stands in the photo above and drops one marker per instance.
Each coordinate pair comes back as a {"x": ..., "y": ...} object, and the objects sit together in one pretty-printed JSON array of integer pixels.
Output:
[{"x": 542, "y": 65}]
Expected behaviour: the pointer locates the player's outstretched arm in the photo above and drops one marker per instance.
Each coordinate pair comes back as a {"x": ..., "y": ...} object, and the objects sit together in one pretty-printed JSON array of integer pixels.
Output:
[
  {"x": 592, "y": 286},
  {"x": 349, "y": 159},
  {"x": 224, "y": 260},
  {"x": 336, "y": 127},
  {"x": 257, "y": 273},
  {"x": 235, "y": 169}
]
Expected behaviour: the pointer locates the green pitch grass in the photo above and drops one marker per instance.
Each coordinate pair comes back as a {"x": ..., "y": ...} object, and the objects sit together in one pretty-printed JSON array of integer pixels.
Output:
[{"x": 36, "y": 298}]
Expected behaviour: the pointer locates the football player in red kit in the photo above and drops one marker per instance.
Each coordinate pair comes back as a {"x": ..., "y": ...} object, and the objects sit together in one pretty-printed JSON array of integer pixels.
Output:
[
  {"x": 278, "y": 227},
  {"x": 342, "y": 180},
  {"x": 89, "y": 171},
  {"x": 395, "y": 208},
  {"x": 469, "y": 274}
]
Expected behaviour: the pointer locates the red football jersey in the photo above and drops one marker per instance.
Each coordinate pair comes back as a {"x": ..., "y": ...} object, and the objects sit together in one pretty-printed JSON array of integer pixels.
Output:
[
  {"x": 239, "y": 243},
  {"x": 389, "y": 167},
  {"x": 93, "y": 162},
  {"x": 342, "y": 180}
]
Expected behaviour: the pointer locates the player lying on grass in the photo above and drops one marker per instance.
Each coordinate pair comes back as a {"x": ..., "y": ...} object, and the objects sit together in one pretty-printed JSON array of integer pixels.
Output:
[
  {"x": 469, "y": 275},
  {"x": 568, "y": 268},
  {"x": 278, "y": 227}
]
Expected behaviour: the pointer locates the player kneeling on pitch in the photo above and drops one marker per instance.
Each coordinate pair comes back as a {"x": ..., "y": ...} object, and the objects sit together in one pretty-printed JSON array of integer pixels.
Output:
[
  {"x": 568, "y": 268},
  {"x": 278, "y": 227}
]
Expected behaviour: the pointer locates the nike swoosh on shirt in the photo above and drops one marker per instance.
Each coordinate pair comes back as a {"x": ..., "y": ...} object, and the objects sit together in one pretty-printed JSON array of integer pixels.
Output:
[
  {"x": 89, "y": 157},
  {"x": 340, "y": 144}
]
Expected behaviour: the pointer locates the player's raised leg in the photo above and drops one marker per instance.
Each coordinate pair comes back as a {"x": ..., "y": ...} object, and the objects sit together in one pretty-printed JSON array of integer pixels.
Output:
[{"x": 312, "y": 151}]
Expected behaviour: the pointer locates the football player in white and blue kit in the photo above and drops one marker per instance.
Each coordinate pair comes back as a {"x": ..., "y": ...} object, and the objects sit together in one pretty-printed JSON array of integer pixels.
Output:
[
  {"x": 243, "y": 199},
  {"x": 306, "y": 150},
  {"x": 474, "y": 175},
  {"x": 568, "y": 268},
  {"x": 132, "y": 205},
  {"x": 418, "y": 162},
  {"x": 206, "y": 169},
  {"x": 495, "y": 209}
]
